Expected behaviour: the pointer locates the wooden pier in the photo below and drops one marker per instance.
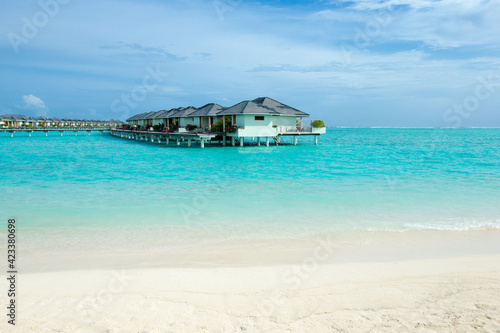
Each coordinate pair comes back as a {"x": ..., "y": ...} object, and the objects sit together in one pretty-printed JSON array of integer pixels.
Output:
[
  {"x": 199, "y": 137},
  {"x": 164, "y": 137},
  {"x": 176, "y": 138},
  {"x": 297, "y": 134},
  {"x": 57, "y": 129}
]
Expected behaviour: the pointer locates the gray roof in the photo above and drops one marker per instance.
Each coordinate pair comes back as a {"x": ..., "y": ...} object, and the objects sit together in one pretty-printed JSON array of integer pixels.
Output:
[
  {"x": 263, "y": 106},
  {"x": 150, "y": 115},
  {"x": 183, "y": 112},
  {"x": 249, "y": 107},
  {"x": 283, "y": 109},
  {"x": 161, "y": 114},
  {"x": 210, "y": 109},
  {"x": 16, "y": 117},
  {"x": 137, "y": 116},
  {"x": 260, "y": 106},
  {"x": 188, "y": 112},
  {"x": 175, "y": 112}
]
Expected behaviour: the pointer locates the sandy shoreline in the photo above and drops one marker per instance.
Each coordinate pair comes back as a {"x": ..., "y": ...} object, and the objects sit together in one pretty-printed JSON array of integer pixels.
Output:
[
  {"x": 452, "y": 286},
  {"x": 57, "y": 252}
]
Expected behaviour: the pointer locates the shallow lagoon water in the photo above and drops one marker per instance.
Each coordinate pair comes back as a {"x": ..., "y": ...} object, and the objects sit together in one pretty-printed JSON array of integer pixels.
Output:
[{"x": 354, "y": 180}]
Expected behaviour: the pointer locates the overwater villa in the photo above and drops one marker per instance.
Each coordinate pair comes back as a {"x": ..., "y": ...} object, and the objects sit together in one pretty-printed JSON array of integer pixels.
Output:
[{"x": 262, "y": 117}]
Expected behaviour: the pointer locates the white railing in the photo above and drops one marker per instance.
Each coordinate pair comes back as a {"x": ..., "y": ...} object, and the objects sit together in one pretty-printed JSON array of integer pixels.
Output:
[{"x": 294, "y": 129}]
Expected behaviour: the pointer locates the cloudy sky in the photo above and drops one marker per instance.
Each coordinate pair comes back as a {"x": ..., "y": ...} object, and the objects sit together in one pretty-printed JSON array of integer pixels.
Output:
[{"x": 350, "y": 63}]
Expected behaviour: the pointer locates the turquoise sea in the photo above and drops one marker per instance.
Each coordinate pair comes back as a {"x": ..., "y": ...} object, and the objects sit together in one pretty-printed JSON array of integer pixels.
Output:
[{"x": 354, "y": 179}]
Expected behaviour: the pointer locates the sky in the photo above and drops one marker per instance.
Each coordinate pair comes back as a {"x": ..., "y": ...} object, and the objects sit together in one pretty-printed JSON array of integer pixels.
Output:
[{"x": 415, "y": 63}]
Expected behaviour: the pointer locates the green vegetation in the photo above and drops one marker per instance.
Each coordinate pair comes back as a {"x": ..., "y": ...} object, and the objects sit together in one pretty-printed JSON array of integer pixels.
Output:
[
  {"x": 318, "y": 123},
  {"x": 190, "y": 127},
  {"x": 217, "y": 127},
  {"x": 173, "y": 128},
  {"x": 231, "y": 129}
]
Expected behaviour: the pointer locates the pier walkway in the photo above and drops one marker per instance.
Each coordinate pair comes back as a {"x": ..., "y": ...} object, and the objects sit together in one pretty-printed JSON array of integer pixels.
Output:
[
  {"x": 164, "y": 137},
  {"x": 30, "y": 130},
  {"x": 199, "y": 137}
]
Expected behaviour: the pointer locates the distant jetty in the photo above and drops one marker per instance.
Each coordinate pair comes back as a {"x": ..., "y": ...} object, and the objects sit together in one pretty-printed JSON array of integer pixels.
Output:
[
  {"x": 13, "y": 123},
  {"x": 19, "y": 121}
]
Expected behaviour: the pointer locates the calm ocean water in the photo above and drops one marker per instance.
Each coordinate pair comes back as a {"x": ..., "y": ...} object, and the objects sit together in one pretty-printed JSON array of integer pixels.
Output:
[{"x": 355, "y": 179}]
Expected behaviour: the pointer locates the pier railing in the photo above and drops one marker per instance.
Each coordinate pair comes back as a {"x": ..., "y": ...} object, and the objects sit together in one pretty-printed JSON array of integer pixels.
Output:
[{"x": 294, "y": 129}]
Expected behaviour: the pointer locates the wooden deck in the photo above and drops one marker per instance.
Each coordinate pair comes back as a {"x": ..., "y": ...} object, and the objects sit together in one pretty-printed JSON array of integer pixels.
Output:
[
  {"x": 201, "y": 137},
  {"x": 298, "y": 133},
  {"x": 164, "y": 137}
]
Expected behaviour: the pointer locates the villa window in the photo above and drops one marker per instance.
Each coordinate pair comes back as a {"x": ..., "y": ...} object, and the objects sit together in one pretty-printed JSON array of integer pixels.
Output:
[{"x": 259, "y": 117}]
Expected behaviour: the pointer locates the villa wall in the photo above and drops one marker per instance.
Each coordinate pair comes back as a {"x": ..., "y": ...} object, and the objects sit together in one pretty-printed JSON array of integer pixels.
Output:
[
  {"x": 255, "y": 128},
  {"x": 205, "y": 122},
  {"x": 189, "y": 120},
  {"x": 284, "y": 120},
  {"x": 157, "y": 121}
]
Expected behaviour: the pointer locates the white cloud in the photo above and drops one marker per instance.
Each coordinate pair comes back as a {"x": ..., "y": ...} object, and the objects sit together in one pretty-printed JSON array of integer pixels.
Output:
[
  {"x": 31, "y": 102},
  {"x": 440, "y": 24},
  {"x": 416, "y": 4}
]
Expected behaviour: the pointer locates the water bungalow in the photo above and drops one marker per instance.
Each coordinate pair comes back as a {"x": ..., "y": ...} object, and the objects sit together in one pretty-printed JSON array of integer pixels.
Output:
[{"x": 262, "y": 117}]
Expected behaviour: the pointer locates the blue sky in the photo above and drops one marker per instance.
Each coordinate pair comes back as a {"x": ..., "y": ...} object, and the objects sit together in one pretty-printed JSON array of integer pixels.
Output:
[{"x": 350, "y": 63}]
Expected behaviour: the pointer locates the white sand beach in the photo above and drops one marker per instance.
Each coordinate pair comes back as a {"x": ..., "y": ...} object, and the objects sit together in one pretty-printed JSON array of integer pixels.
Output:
[{"x": 379, "y": 288}]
